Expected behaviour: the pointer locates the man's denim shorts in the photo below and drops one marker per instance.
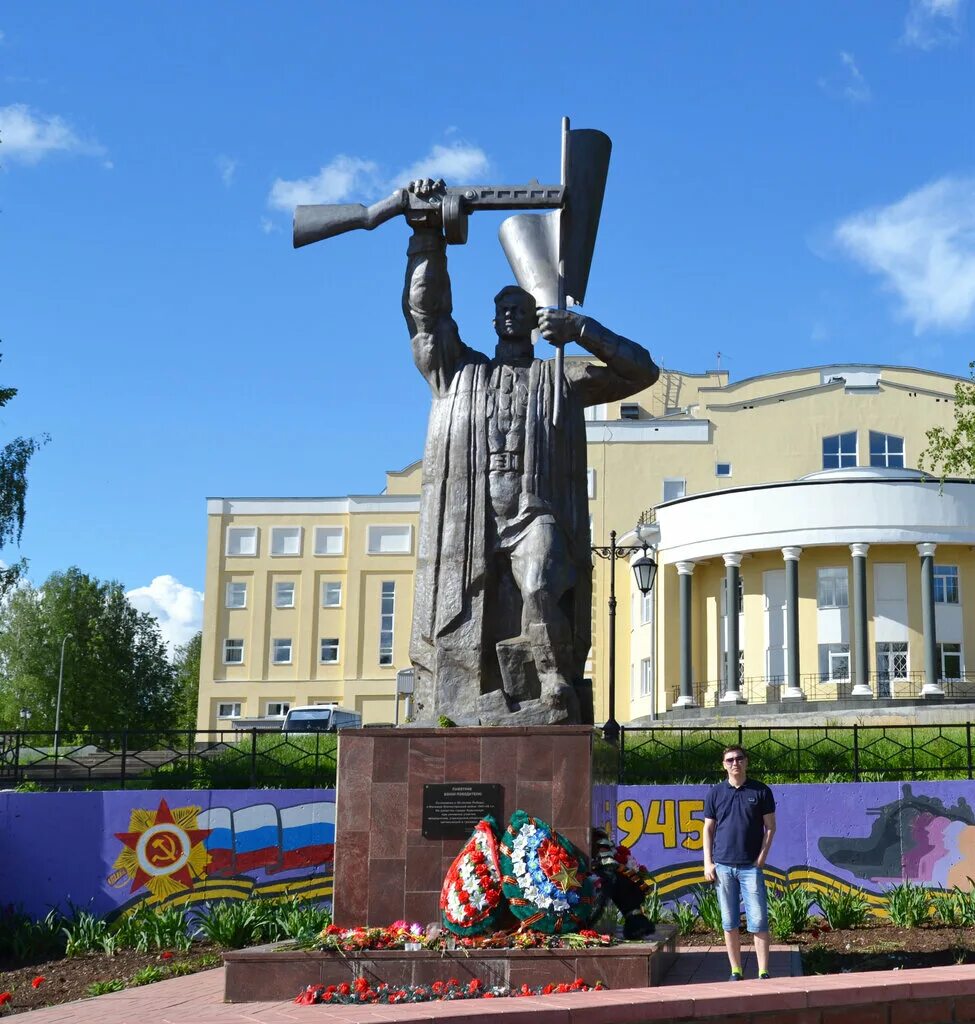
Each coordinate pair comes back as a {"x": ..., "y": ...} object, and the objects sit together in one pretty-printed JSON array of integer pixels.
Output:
[{"x": 737, "y": 884}]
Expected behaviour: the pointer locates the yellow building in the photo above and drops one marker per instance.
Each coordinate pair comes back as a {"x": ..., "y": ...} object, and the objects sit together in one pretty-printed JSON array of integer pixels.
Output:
[{"x": 310, "y": 600}]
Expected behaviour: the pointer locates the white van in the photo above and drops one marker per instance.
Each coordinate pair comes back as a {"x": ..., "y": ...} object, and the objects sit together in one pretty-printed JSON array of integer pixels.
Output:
[{"x": 320, "y": 718}]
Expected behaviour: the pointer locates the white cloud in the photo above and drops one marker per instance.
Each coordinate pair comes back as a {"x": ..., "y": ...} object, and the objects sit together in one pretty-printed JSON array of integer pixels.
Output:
[
  {"x": 933, "y": 23},
  {"x": 847, "y": 82},
  {"x": 353, "y": 177},
  {"x": 227, "y": 168},
  {"x": 178, "y": 608},
  {"x": 268, "y": 226},
  {"x": 28, "y": 135},
  {"x": 924, "y": 247}
]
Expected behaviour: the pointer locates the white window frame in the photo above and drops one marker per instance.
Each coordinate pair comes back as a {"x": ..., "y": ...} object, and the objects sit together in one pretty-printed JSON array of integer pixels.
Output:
[
  {"x": 948, "y": 577},
  {"x": 890, "y": 654},
  {"x": 279, "y": 537},
  {"x": 277, "y": 645},
  {"x": 280, "y": 586},
  {"x": 827, "y": 577},
  {"x": 229, "y": 704},
  {"x": 325, "y": 585},
  {"x": 239, "y": 534},
  {"x": 283, "y": 706},
  {"x": 646, "y": 677},
  {"x": 377, "y": 532},
  {"x": 230, "y": 588},
  {"x": 646, "y": 607},
  {"x": 719, "y": 474},
  {"x": 333, "y": 644},
  {"x": 238, "y": 645},
  {"x": 886, "y": 455},
  {"x": 387, "y": 622},
  {"x": 675, "y": 480},
  {"x": 842, "y": 457},
  {"x": 837, "y": 654},
  {"x": 325, "y": 534},
  {"x": 590, "y": 483},
  {"x": 943, "y": 675}
]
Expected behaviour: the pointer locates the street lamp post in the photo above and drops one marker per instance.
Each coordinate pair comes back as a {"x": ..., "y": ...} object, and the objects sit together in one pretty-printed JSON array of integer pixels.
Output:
[
  {"x": 644, "y": 570},
  {"x": 25, "y": 714},
  {"x": 57, "y": 706}
]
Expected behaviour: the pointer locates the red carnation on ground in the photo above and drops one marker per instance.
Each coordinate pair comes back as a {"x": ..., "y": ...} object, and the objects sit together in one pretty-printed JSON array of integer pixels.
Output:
[
  {"x": 167, "y": 955},
  {"x": 5, "y": 997},
  {"x": 345, "y": 988},
  {"x": 38, "y": 981}
]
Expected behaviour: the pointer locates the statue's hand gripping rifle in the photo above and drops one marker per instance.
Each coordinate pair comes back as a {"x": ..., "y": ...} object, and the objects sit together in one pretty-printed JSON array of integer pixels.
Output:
[{"x": 447, "y": 208}]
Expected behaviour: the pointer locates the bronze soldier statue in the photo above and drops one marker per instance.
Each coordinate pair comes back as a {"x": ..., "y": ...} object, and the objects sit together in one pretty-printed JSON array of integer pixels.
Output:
[{"x": 502, "y": 606}]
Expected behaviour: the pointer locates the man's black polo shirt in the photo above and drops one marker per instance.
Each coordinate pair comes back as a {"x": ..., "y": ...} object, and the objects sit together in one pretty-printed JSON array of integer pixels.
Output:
[{"x": 738, "y": 820}]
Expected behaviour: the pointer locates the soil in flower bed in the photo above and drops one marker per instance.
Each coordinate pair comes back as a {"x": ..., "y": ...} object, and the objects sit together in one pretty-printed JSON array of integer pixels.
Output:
[
  {"x": 68, "y": 978},
  {"x": 874, "y": 947}
]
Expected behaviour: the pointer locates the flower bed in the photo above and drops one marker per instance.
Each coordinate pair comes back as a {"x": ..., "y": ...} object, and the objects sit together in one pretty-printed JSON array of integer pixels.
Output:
[{"x": 361, "y": 992}]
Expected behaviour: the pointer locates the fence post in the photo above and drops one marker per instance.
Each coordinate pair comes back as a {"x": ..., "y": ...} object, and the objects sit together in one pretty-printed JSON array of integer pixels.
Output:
[
  {"x": 968, "y": 746},
  {"x": 741, "y": 737},
  {"x": 125, "y": 750},
  {"x": 856, "y": 753},
  {"x": 18, "y": 740},
  {"x": 620, "y": 764},
  {"x": 253, "y": 757}
]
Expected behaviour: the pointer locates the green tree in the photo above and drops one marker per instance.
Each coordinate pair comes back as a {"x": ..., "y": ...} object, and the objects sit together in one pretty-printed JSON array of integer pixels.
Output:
[
  {"x": 116, "y": 672},
  {"x": 952, "y": 452},
  {"x": 186, "y": 664},
  {"x": 15, "y": 456}
]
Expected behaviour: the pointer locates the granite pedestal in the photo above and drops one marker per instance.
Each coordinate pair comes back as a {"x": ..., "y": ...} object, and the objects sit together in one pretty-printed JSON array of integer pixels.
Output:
[{"x": 385, "y": 870}]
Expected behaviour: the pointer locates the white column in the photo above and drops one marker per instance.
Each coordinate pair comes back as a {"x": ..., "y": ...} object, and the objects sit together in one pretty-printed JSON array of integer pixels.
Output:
[
  {"x": 928, "y": 628},
  {"x": 732, "y": 695},
  {"x": 861, "y": 653},
  {"x": 793, "y": 690},
  {"x": 686, "y": 699}
]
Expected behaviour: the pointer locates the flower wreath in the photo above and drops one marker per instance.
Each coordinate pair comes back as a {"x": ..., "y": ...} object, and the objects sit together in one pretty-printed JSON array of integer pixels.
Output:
[
  {"x": 545, "y": 877},
  {"x": 470, "y": 900},
  {"x": 630, "y": 868}
]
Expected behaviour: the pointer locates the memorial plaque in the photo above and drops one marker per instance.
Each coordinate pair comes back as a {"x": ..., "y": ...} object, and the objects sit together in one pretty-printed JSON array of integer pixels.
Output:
[{"x": 451, "y": 810}]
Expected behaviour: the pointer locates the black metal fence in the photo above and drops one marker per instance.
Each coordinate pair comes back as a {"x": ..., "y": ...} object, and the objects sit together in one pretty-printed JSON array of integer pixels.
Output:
[
  {"x": 856, "y": 753},
  {"x": 175, "y": 759}
]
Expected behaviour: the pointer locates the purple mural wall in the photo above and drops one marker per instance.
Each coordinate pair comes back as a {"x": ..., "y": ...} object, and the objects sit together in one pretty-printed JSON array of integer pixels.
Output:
[
  {"x": 108, "y": 852},
  {"x": 868, "y": 835}
]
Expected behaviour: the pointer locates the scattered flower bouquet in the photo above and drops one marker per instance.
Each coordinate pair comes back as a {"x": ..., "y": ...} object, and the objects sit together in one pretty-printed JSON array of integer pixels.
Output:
[
  {"x": 361, "y": 992},
  {"x": 399, "y": 934},
  {"x": 352, "y": 940}
]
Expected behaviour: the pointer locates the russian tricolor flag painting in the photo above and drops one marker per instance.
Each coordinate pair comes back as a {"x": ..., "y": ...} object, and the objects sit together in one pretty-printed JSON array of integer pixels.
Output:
[
  {"x": 263, "y": 837},
  {"x": 307, "y": 835}
]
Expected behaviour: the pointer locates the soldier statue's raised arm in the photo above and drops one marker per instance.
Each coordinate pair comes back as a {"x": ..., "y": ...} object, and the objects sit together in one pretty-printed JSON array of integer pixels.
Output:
[{"x": 502, "y": 604}]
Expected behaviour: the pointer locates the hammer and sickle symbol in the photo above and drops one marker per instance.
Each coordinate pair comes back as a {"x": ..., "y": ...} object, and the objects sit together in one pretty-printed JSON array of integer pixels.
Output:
[{"x": 167, "y": 844}]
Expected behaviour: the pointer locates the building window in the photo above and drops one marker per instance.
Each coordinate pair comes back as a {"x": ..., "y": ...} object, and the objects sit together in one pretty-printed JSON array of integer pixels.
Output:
[
  {"x": 282, "y": 651},
  {"x": 840, "y": 450},
  {"x": 834, "y": 662},
  {"x": 724, "y": 595},
  {"x": 329, "y": 540},
  {"x": 236, "y": 595},
  {"x": 674, "y": 488},
  {"x": 389, "y": 540},
  {"x": 646, "y": 677},
  {"x": 277, "y": 708},
  {"x": 646, "y": 607},
  {"x": 886, "y": 450},
  {"x": 722, "y": 469},
  {"x": 233, "y": 652},
  {"x": 590, "y": 483},
  {"x": 723, "y": 669},
  {"x": 629, "y": 411},
  {"x": 330, "y": 650},
  {"x": 949, "y": 658},
  {"x": 832, "y": 589},
  {"x": 946, "y": 584},
  {"x": 332, "y": 594},
  {"x": 241, "y": 541},
  {"x": 387, "y": 608},
  {"x": 228, "y": 710},
  {"x": 891, "y": 661},
  {"x": 286, "y": 541},
  {"x": 284, "y": 595}
]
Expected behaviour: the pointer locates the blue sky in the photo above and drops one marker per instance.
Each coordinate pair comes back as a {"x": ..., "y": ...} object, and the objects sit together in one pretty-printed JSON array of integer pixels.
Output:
[{"x": 791, "y": 184}]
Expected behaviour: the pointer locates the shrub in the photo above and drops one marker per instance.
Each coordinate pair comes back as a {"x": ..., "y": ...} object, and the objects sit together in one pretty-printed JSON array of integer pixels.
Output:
[
  {"x": 100, "y": 988},
  {"x": 652, "y": 905},
  {"x": 708, "y": 908},
  {"x": 844, "y": 908},
  {"x": 231, "y": 924},
  {"x": 23, "y": 939},
  {"x": 84, "y": 933},
  {"x": 908, "y": 905},
  {"x": 149, "y": 974},
  {"x": 684, "y": 916},
  {"x": 788, "y": 910}
]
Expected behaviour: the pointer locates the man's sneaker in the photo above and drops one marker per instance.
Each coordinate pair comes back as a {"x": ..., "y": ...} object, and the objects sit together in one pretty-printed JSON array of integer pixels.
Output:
[
  {"x": 764, "y": 976},
  {"x": 735, "y": 976}
]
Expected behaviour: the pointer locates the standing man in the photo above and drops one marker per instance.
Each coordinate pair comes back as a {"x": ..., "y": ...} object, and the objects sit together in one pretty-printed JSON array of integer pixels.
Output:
[{"x": 739, "y": 823}]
